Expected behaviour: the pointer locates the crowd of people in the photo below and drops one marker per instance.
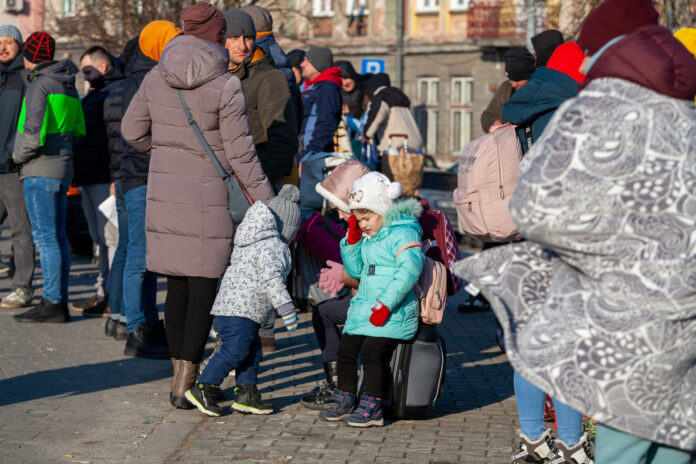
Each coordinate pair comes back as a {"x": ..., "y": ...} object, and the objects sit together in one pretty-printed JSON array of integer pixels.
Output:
[{"x": 605, "y": 205}]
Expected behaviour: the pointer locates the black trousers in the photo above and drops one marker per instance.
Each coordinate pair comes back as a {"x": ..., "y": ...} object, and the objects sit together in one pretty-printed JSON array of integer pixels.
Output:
[
  {"x": 374, "y": 352},
  {"x": 187, "y": 315},
  {"x": 326, "y": 318}
]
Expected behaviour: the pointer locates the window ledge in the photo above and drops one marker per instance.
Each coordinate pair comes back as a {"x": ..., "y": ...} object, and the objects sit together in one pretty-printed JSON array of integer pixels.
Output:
[{"x": 428, "y": 12}]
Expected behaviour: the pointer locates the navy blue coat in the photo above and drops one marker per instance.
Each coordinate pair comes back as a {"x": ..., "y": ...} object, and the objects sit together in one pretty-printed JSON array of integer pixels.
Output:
[
  {"x": 535, "y": 103},
  {"x": 322, "y": 113}
]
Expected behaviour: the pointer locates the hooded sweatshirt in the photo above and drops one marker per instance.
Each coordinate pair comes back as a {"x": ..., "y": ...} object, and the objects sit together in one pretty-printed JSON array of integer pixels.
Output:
[
  {"x": 12, "y": 84},
  {"x": 254, "y": 282},
  {"x": 188, "y": 224},
  {"x": 321, "y": 102},
  {"x": 51, "y": 119}
]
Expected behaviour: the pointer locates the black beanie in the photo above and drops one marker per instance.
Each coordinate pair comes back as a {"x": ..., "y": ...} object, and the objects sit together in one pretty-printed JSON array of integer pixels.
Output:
[
  {"x": 347, "y": 70},
  {"x": 375, "y": 81},
  {"x": 519, "y": 64},
  {"x": 545, "y": 43},
  {"x": 296, "y": 57}
]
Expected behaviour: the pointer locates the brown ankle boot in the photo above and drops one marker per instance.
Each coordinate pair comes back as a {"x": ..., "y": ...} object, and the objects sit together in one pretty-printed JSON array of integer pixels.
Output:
[
  {"x": 187, "y": 375},
  {"x": 175, "y": 364}
]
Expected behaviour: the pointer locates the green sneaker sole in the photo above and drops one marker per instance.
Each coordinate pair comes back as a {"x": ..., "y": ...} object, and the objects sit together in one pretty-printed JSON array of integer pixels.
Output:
[{"x": 249, "y": 409}]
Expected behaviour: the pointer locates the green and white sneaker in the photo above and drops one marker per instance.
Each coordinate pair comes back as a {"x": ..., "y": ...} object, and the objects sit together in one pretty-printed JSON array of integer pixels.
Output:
[
  {"x": 247, "y": 400},
  {"x": 204, "y": 397},
  {"x": 19, "y": 298}
]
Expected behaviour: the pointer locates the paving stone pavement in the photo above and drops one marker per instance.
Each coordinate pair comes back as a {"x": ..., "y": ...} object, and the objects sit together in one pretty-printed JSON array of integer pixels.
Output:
[{"x": 67, "y": 394}]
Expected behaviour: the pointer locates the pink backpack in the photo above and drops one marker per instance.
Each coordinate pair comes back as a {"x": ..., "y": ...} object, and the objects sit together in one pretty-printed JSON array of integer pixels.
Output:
[
  {"x": 431, "y": 288},
  {"x": 487, "y": 177}
]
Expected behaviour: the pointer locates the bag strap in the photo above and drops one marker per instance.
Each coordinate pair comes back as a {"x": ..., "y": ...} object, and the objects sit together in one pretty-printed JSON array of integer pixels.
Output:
[
  {"x": 209, "y": 151},
  {"x": 528, "y": 136},
  {"x": 408, "y": 245}
]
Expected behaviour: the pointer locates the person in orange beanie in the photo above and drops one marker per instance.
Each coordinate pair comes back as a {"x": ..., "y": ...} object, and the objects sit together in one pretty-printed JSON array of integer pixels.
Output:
[{"x": 155, "y": 36}]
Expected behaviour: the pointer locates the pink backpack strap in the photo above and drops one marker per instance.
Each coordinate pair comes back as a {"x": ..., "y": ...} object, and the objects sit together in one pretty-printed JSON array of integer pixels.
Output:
[{"x": 408, "y": 245}]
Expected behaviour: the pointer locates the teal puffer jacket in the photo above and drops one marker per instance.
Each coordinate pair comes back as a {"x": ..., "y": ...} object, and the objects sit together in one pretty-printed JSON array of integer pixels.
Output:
[{"x": 385, "y": 278}]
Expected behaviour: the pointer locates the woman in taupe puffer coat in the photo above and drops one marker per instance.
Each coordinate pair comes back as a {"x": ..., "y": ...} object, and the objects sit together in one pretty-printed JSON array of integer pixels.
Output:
[{"x": 188, "y": 223}]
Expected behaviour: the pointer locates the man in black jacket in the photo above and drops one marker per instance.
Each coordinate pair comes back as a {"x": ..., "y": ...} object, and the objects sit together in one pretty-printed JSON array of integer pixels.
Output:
[
  {"x": 91, "y": 161},
  {"x": 12, "y": 206}
]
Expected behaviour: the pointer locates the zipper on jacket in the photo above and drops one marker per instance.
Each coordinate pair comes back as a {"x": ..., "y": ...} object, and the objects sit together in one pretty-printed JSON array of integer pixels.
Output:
[{"x": 501, "y": 192}]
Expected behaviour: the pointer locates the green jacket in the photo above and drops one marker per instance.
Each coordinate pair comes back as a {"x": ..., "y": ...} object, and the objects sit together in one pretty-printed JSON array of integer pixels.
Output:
[
  {"x": 272, "y": 116},
  {"x": 385, "y": 278},
  {"x": 50, "y": 119}
]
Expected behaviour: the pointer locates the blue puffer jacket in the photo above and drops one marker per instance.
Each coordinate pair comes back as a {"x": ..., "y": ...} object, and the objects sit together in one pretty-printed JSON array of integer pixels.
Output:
[
  {"x": 321, "y": 103},
  {"x": 536, "y": 102},
  {"x": 384, "y": 278}
]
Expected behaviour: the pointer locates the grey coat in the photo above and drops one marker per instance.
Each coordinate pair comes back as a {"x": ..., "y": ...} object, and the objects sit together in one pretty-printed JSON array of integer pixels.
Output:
[
  {"x": 599, "y": 306},
  {"x": 254, "y": 283},
  {"x": 188, "y": 223}
]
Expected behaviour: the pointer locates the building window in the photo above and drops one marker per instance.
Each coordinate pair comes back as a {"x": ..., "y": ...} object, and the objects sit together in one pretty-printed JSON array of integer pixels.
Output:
[
  {"x": 460, "y": 5},
  {"x": 324, "y": 8},
  {"x": 462, "y": 113},
  {"x": 427, "y": 6},
  {"x": 428, "y": 96},
  {"x": 69, "y": 8}
]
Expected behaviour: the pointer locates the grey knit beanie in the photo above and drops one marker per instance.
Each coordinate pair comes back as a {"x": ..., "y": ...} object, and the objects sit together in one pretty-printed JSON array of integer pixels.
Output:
[
  {"x": 263, "y": 21},
  {"x": 286, "y": 209},
  {"x": 320, "y": 57},
  {"x": 239, "y": 23},
  {"x": 8, "y": 30}
]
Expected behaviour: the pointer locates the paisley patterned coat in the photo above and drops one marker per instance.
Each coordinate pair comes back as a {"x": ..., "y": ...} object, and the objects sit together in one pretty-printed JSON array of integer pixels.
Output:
[{"x": 599, "y": 306}]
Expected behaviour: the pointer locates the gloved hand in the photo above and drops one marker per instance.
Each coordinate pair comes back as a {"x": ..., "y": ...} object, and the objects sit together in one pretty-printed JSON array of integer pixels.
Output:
[
  {"x": 289, "y": 315},
  {"x": 331, "y": 278},
  {"x": 380, "y": 314},
  {"x": 354, "y": 231}
]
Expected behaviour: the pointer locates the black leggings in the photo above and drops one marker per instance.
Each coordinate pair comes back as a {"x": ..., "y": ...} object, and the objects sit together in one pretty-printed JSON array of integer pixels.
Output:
[
  {"x": 326, "y": 318},
  {"x": 187, "y": 315},
  {"x": 375, "y": 353}
]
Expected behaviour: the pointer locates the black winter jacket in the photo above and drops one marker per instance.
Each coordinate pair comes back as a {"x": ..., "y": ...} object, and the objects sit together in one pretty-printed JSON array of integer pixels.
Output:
[
  {"x": 134, "y": 164},
  {"x": 12, "y": 85},
  {"x": 91, "y": 156}
]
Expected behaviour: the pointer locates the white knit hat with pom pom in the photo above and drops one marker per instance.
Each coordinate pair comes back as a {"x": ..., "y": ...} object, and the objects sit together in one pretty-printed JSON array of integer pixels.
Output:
[{"x": 375, "y": 192}]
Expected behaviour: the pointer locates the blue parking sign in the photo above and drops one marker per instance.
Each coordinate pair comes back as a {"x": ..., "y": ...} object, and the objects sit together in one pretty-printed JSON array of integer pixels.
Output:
[{"x": 371, "y": 66}]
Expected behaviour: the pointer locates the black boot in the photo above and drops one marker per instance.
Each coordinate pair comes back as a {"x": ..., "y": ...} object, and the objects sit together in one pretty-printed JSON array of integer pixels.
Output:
[
  {"x": 247, "y": 400},
  {"x": 45, "y": 311},
  {"x": 143, "y": 344},
  {"x": 321, "y": 397},
  {"x": 115, "y": 329}
]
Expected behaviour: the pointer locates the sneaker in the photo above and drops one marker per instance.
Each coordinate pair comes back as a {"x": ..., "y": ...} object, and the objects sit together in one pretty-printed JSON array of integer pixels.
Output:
[
  {"x": 368, "y": 414},
  {"x": 88, "y": 303},
  {"x": 203, "y": 397},
  {"x": 320, "y": 397},
  {"x": 535, "y": 451},
  {"x": 579, "y": 453},
  {"x": 142, "y": 344},
  {"x": 100, "y": 309},
  {"x": 247, "y": 400},
  {"x": 19, "y": 298},
  {"x": 45, "y": 311},
  {"x": 342, "y": 406}
]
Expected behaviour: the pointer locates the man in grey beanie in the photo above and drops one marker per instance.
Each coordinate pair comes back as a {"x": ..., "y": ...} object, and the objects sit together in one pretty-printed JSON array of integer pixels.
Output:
[{"x": 12, "y": 206}]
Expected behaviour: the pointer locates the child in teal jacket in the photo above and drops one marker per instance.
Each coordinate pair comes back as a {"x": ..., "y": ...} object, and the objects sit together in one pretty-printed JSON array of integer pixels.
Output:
[{"x": 385, "y": 310}]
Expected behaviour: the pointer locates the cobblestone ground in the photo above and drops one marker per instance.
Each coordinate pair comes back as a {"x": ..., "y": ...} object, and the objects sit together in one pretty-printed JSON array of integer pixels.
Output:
[{"x": 67, "y": 394}]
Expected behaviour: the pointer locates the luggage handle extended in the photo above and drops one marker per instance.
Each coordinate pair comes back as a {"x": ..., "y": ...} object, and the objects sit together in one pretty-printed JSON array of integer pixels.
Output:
[{"x": 238, "y": 199}]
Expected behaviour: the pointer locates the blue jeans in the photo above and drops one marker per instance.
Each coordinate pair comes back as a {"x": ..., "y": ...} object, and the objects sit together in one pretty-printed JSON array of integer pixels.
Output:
[
  {"x": 240, "y": 350},
  {"x": 139, "y": 285},
  {"x": 46, "y": 200},
  {"x": 119, "y": 262},
  {"x": 530, "y": 407},
  {"x": 616, "y": 447}
]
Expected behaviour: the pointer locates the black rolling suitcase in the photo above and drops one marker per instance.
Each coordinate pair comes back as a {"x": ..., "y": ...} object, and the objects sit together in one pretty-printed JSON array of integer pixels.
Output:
[{"x": 416, "y": 377}]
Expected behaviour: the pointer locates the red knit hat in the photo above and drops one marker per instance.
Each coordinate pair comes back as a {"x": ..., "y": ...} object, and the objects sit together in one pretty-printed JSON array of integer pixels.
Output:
[
  {"x": 612, "y": 19},
  {"x": 567, "y": 59},
  {"x": 39, "y": 47}
]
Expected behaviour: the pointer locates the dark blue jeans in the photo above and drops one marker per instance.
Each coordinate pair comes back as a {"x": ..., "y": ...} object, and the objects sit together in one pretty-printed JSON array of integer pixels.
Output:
[
  {"x": 240, "y": 350},
  {"x": 46, "y": 200},
  {"x": 139, "y": 285},
  {"x": 119, "y": 261}
]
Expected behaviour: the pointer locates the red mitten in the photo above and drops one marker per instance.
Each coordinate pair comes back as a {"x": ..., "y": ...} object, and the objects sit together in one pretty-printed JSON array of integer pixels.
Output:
[
  {"x": 380, "y": 314},
  {"x": 354, "y": 231}
]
